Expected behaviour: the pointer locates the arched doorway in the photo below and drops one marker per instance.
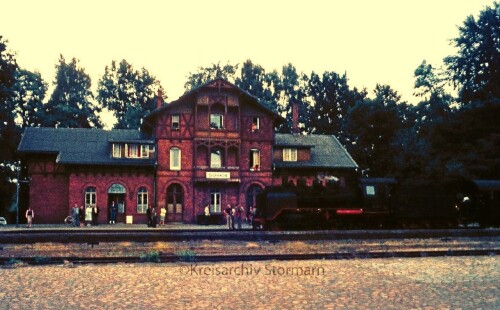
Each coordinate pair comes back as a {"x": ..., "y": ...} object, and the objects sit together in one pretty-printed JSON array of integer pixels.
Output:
[
  {"x": 251, "y": 196},
  {"x": 175, "y": 203},
  {"x": 117, "y": 193}
]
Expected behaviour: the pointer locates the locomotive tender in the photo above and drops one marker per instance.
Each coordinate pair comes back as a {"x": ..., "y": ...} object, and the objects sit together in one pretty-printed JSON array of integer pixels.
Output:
[{"x": 369, "y": 203}]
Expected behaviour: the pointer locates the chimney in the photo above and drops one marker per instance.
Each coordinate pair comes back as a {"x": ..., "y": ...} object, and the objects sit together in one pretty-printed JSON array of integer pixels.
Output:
[
  {"x": 295, "y": 118},
  {"x": 159, "y": 99}
]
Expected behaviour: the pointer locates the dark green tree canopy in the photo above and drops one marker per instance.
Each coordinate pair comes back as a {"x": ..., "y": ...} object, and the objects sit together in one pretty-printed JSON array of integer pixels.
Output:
[
  {"x": 72, "y": 103},
  {"x": 475, "y": 69},
  {"x": 130, "y": 94},
  {"x": 212, "y": 72},
  {"x": 27, "y": 98}
]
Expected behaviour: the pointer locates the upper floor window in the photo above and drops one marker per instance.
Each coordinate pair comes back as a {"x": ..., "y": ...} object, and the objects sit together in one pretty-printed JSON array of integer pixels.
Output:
[
  {"x": 215, "y": 158},
  {"x": 254, "y": 160},
  {"x": 255, "y": 123},
  {"x": 216, "y": 121},
  {"x": 289, "y": 154},
  {"x": 144, "y": 151},
  {"x": 175, "y": 158},
  {"x": 133, "y": 151},
  {"x": 175, "y": 122},
  {"x": 117, "y": 150}
]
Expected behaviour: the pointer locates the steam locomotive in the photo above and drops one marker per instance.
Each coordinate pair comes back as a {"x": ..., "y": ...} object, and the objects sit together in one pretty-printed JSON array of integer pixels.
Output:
[{"x": 371, "y": 203}]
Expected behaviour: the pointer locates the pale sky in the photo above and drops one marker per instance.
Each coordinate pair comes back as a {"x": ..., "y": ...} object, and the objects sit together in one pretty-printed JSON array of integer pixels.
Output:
[{"x": 372, "y": 41}]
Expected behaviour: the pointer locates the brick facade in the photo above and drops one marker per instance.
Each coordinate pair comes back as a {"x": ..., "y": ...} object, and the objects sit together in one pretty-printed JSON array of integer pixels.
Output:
[{"x": 215, "y": 146}]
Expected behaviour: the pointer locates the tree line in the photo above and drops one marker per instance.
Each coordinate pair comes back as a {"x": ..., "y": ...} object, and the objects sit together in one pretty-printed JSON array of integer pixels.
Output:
[{"x": 442, "y": 134}]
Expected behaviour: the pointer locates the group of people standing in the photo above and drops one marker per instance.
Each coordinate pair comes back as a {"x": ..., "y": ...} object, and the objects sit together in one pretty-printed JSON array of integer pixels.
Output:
[
  {"x": 236, "y": 215},
  {"x": 85, "y": 216},
  {"x": 153, "y": 216}
]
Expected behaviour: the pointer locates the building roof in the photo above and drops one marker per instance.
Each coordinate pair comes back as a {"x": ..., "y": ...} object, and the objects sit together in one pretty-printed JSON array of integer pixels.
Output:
[
  {"x": 326, "y": 151},
  {"x": 82, "y": 146},
  {"x": 254, "y": 100}
]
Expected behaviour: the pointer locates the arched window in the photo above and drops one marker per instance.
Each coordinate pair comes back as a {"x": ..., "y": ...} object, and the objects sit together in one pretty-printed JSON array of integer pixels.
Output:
[
  {"x": 142, "y": 200},
  {"x": 90, "y": 197},
  {"x": 215, "y": 158},
  {"x": 175, "y": 158}
]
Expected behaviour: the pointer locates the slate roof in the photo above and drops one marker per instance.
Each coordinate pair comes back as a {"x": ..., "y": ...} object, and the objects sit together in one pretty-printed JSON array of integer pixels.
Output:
[
  {"x": 82, "y": 146},
  {"x": 326, "y": 151}
]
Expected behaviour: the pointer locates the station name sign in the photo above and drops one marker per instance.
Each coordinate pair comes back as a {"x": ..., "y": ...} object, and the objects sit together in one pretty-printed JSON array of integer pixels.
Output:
[{"x": 218, "y": 175}]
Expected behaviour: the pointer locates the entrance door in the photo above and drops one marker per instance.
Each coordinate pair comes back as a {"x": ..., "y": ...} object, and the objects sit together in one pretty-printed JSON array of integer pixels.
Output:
[
  {"x": 117, "y": 193},
  {"x": 175, "y": 201},
  {"x": 215, "y": 205}
]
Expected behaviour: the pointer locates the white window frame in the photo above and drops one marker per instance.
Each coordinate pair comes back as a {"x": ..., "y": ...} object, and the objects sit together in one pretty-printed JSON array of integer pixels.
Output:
[
  {"x": 255, "y": 123},
  {"x": 175, "y": 162},
  {"x": 215, "y": 201},
  {"x": 220, "y": 121},
  {"x": 254, "y": 159},
  {"x": 133, "y": 151},
  {"x": 215, "y": 158},
  {"x": 289, "y": 154},
  {"x": 117, "y": 150},
  {"x": 142, "y": 200},
  {"x": 176, "y": 122},
  {"x": 144, "y": 151},
  {"x": 90, "y": 197}
]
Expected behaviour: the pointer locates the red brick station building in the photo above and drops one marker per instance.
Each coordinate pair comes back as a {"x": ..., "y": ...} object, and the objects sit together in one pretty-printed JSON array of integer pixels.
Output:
[{"x": 215, "y": 145}]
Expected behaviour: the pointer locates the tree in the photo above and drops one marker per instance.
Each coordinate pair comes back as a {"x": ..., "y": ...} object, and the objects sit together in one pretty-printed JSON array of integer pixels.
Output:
[
  {"x": 289, "y": 89},
  {"x": 206, "y": 74},
  {"x": 258, "y": 83},
  {"x": 373, "y": 127},
  {"x": 9, "y": 133},
  {"x": 128, "y": 93},
  {"x": 475, "y": 70},
  {"x": 71, "y": 104},
  {"x": 27, "y": 97},
  {"x": 332, "y": 99}
]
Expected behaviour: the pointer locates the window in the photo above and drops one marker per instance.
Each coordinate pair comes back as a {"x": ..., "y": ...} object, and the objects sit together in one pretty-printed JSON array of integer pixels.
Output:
[
  {"x": 175, "y": 122},
  {"x": 144, "y": 151},
  {"x": 175, "y": 158},
  {"x": 142, "y": 200},
  {"x": 254, "y": 160},
  {"x": 289, "y": 154},
  {"x": 90, "y": 197},
  {"x": 255, "y": 123},
  {"x": 370, "y": 190},
  {"x": 133, "y": 151},
  {"x": 216, "y": 121},
  {"x": 117, "y": 150},
  {"x": 215, "y": 201},
  {"x": 215, "y": 158}
]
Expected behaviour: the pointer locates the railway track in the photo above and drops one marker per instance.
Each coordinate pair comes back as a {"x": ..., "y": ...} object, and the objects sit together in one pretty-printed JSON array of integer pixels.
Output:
[
  {"x": 94, "y": 235},
  {"x": 70, "y": 261}
]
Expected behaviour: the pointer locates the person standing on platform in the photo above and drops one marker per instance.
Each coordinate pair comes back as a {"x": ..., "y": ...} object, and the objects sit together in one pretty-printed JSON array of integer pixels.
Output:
[
  {"x": 88, "y": 216},
  {"x": 112, "y": 213},
  {"x": 238, "y": 214},
  {"x": 148, "y": 214},
  {"x": 163, "y": 213},
  {"x": 95, "y": 215},
  {"x": 230, "y": 217},
  {"x": 30, "y": 214},
  {"x": 76, "y": 216}
]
